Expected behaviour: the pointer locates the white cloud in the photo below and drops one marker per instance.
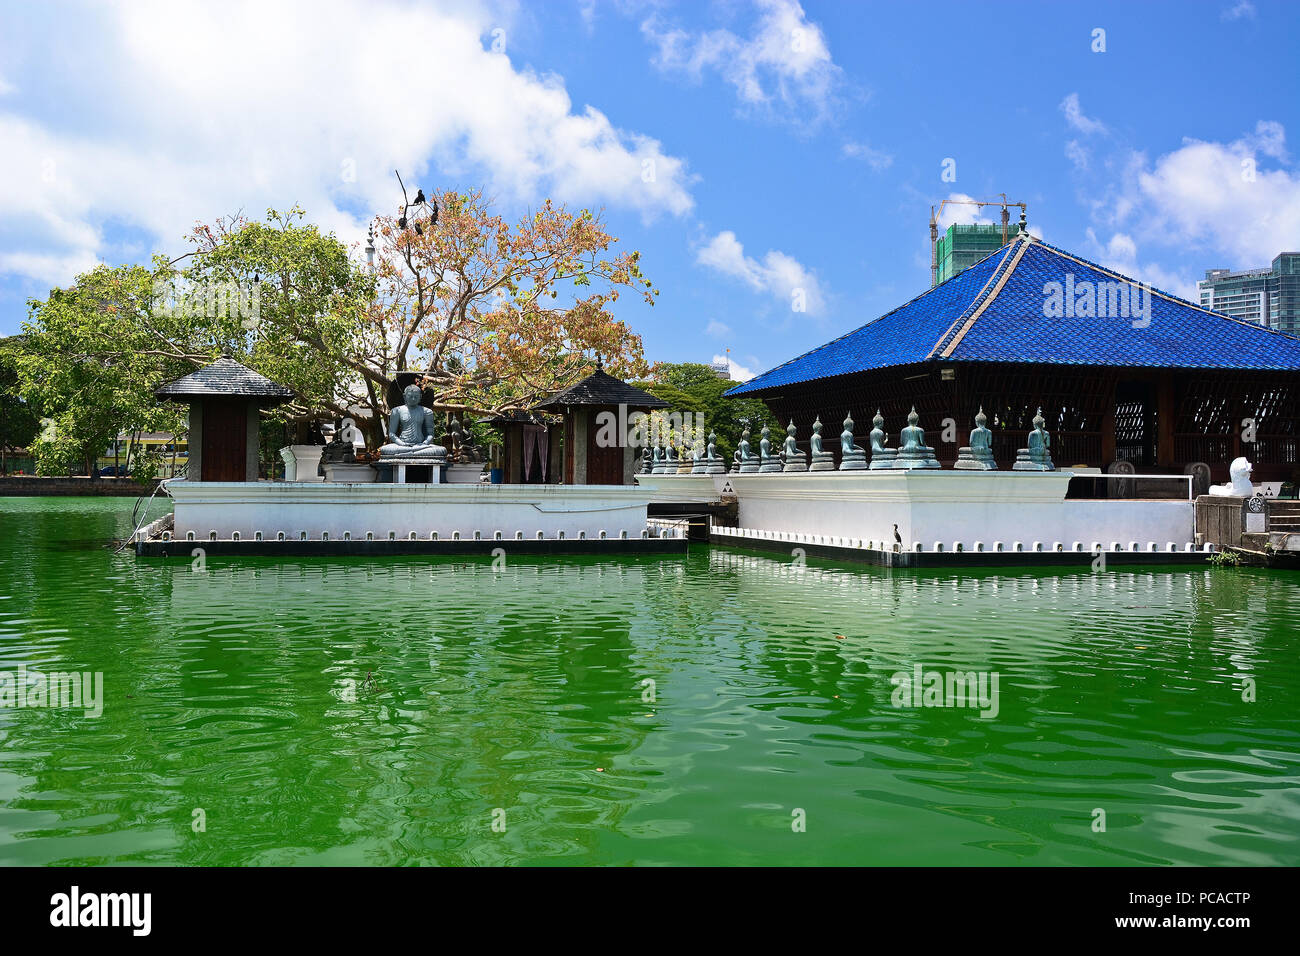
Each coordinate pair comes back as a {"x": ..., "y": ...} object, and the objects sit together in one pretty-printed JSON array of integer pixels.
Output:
[
  {"x": 1074, "y": 116},
  {"x": 737, "y": 371},
  {"x": 781, "y": 276},
  {"x": 1077, "y": 154},
  {"x": 1216, "y": 203},
  {"x": 1243, "y": 9},
  {"x": 187, "y": 112},
  {"x": 717, "y": 330},
  {"x": 875, "y": 158},
  {"x": 785, "y": 60},
  {"x": 1217, "y": 195},
  {"x": 48, "y": 269}
]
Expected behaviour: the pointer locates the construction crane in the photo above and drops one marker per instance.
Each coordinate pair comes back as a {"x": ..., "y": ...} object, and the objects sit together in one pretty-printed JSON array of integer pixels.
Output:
[{"x": 935, "y": 213}]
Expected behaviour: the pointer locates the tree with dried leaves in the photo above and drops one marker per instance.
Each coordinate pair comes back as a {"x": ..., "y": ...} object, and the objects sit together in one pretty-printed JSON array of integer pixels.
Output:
[{"x": 488, "y": 316}]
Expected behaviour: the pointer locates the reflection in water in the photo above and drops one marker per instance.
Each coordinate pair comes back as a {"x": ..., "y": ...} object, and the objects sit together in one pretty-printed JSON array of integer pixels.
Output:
[{"x": 347, "y": 711}]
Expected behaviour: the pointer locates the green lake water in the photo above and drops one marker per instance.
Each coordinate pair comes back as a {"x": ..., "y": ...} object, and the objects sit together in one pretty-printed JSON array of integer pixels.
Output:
[{"x": 517, "y": 697}]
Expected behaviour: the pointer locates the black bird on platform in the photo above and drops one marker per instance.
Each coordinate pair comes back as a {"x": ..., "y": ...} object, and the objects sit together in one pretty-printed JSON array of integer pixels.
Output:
[{"x": 898, "y": 538}]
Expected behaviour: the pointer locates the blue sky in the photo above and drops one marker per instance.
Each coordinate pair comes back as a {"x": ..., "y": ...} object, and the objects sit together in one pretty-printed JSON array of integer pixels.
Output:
[{"x": 755, "y": 152}]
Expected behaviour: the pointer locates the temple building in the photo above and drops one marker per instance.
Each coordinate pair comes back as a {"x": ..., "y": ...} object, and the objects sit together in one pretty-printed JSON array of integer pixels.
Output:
[{"x": 1123, "y": 373}]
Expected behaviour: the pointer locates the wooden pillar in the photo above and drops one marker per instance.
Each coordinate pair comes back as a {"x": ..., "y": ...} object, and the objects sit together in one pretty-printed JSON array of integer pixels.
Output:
[
  {"x": 1108, "y": 429},
  {"x": 1166, "y": 409}
]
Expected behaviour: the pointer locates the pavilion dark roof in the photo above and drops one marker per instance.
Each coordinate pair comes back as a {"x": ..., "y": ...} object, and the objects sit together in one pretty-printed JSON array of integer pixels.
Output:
[
  {"x": 994, "y": 312},
  {"x": 601, "y": 388},
  {"x": 224, "y": 378}
]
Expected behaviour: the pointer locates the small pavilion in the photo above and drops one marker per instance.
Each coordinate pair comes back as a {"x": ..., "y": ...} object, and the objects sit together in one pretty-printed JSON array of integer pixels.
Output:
[
  {"x": 587, "y": 460},
  {"x": 225, "y": 400}
]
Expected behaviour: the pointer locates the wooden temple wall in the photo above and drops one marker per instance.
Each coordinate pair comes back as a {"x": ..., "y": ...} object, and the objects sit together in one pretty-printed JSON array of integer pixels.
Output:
[{"x": 1161, "y": 420}]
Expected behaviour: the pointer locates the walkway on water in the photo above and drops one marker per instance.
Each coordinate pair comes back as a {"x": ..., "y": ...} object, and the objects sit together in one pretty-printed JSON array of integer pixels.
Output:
[{"x": 36, "y": 486}]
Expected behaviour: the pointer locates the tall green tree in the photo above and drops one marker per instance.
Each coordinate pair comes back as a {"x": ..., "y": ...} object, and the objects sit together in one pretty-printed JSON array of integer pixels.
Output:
[
  {"x": 19, "y": 423},
  {"x": 88, "y": 363}
]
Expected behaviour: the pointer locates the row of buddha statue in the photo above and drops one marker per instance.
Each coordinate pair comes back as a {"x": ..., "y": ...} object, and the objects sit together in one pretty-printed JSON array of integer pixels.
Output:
[{"x": 912, "y": 452}]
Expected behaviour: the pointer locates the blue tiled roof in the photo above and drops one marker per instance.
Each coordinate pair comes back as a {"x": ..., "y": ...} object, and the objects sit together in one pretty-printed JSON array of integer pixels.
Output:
[{"x": 994, "y": 312}]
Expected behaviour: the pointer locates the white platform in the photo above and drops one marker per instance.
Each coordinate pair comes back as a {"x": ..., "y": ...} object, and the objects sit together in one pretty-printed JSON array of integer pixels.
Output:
[
  {"x": 947, "y": 506},
  {"x": 335, "y": 509}
]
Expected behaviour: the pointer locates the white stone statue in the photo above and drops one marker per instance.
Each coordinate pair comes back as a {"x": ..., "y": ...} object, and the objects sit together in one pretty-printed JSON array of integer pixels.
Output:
[{"x": 1240, "y": 486}]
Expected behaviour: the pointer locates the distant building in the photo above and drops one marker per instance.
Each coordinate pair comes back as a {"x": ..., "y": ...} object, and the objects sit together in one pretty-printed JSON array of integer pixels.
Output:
[
  {"x": 962, "y": 246},
  {"x": 1270, "y": 296}
]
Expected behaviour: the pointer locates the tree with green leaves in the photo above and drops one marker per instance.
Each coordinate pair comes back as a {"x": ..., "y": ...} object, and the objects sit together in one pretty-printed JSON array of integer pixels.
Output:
[
  {"x": 19, "y": 423},
  {"x": 89, "y": 364},
  {"x": 693, "y": 387},
  {"x": 487, "y": 315}
]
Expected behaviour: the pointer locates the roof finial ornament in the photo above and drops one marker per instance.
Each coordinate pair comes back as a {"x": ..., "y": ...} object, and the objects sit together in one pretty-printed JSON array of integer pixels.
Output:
[
  {"x": 600, "y": 365},
  {"x": 1024, "y": 225}
]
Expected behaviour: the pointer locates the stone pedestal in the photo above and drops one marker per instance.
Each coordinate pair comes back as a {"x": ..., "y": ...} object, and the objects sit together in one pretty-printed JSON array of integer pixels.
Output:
[
  {"x": 884, "y": 458},
  {"x": 357, "y": 473},
  {"x": 918, "y": 458},
  {"x": 855, "y": 460},
  {"x": 468, "y": 473},
  {"x": 301, "y": 462},
  {"x": 1027, "y": 460},
  {"x": 795, "y": 463},
  {"x": 971, "y": 460},
  {"x": 823, "y": 462},
  {"x": 399, "y": 466}
]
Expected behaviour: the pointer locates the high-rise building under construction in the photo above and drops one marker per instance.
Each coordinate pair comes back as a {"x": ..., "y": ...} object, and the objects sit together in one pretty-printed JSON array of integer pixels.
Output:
[{"x": 961, "y": 246}]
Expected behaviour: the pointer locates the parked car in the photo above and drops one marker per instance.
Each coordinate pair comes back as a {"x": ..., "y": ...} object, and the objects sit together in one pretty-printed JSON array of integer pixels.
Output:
[{"x": 113, "y": 471}]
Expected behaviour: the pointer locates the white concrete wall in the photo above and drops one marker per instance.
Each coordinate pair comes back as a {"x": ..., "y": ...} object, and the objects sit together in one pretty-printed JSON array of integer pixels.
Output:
[
  {"x": 336, "y": 508},
  {"x": 678, "y": 488},
  {"x": 952, "y": 506}
]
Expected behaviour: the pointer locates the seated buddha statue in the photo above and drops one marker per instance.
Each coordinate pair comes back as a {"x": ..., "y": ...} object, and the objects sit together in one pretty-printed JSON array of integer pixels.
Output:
[
  {"x": 1038, "y": 456},
  {"x": 794, "y": 458},
  {"x": 913, "y": 452},
  {"x": 411, "y": 428},
  {"x": 978, "y": 455},
  {"x": 852, "y": 458},
  {"x": 746, "y": 460},
  {"x": 881, "y": 456},
  {"x": 822, "y": 460}
]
